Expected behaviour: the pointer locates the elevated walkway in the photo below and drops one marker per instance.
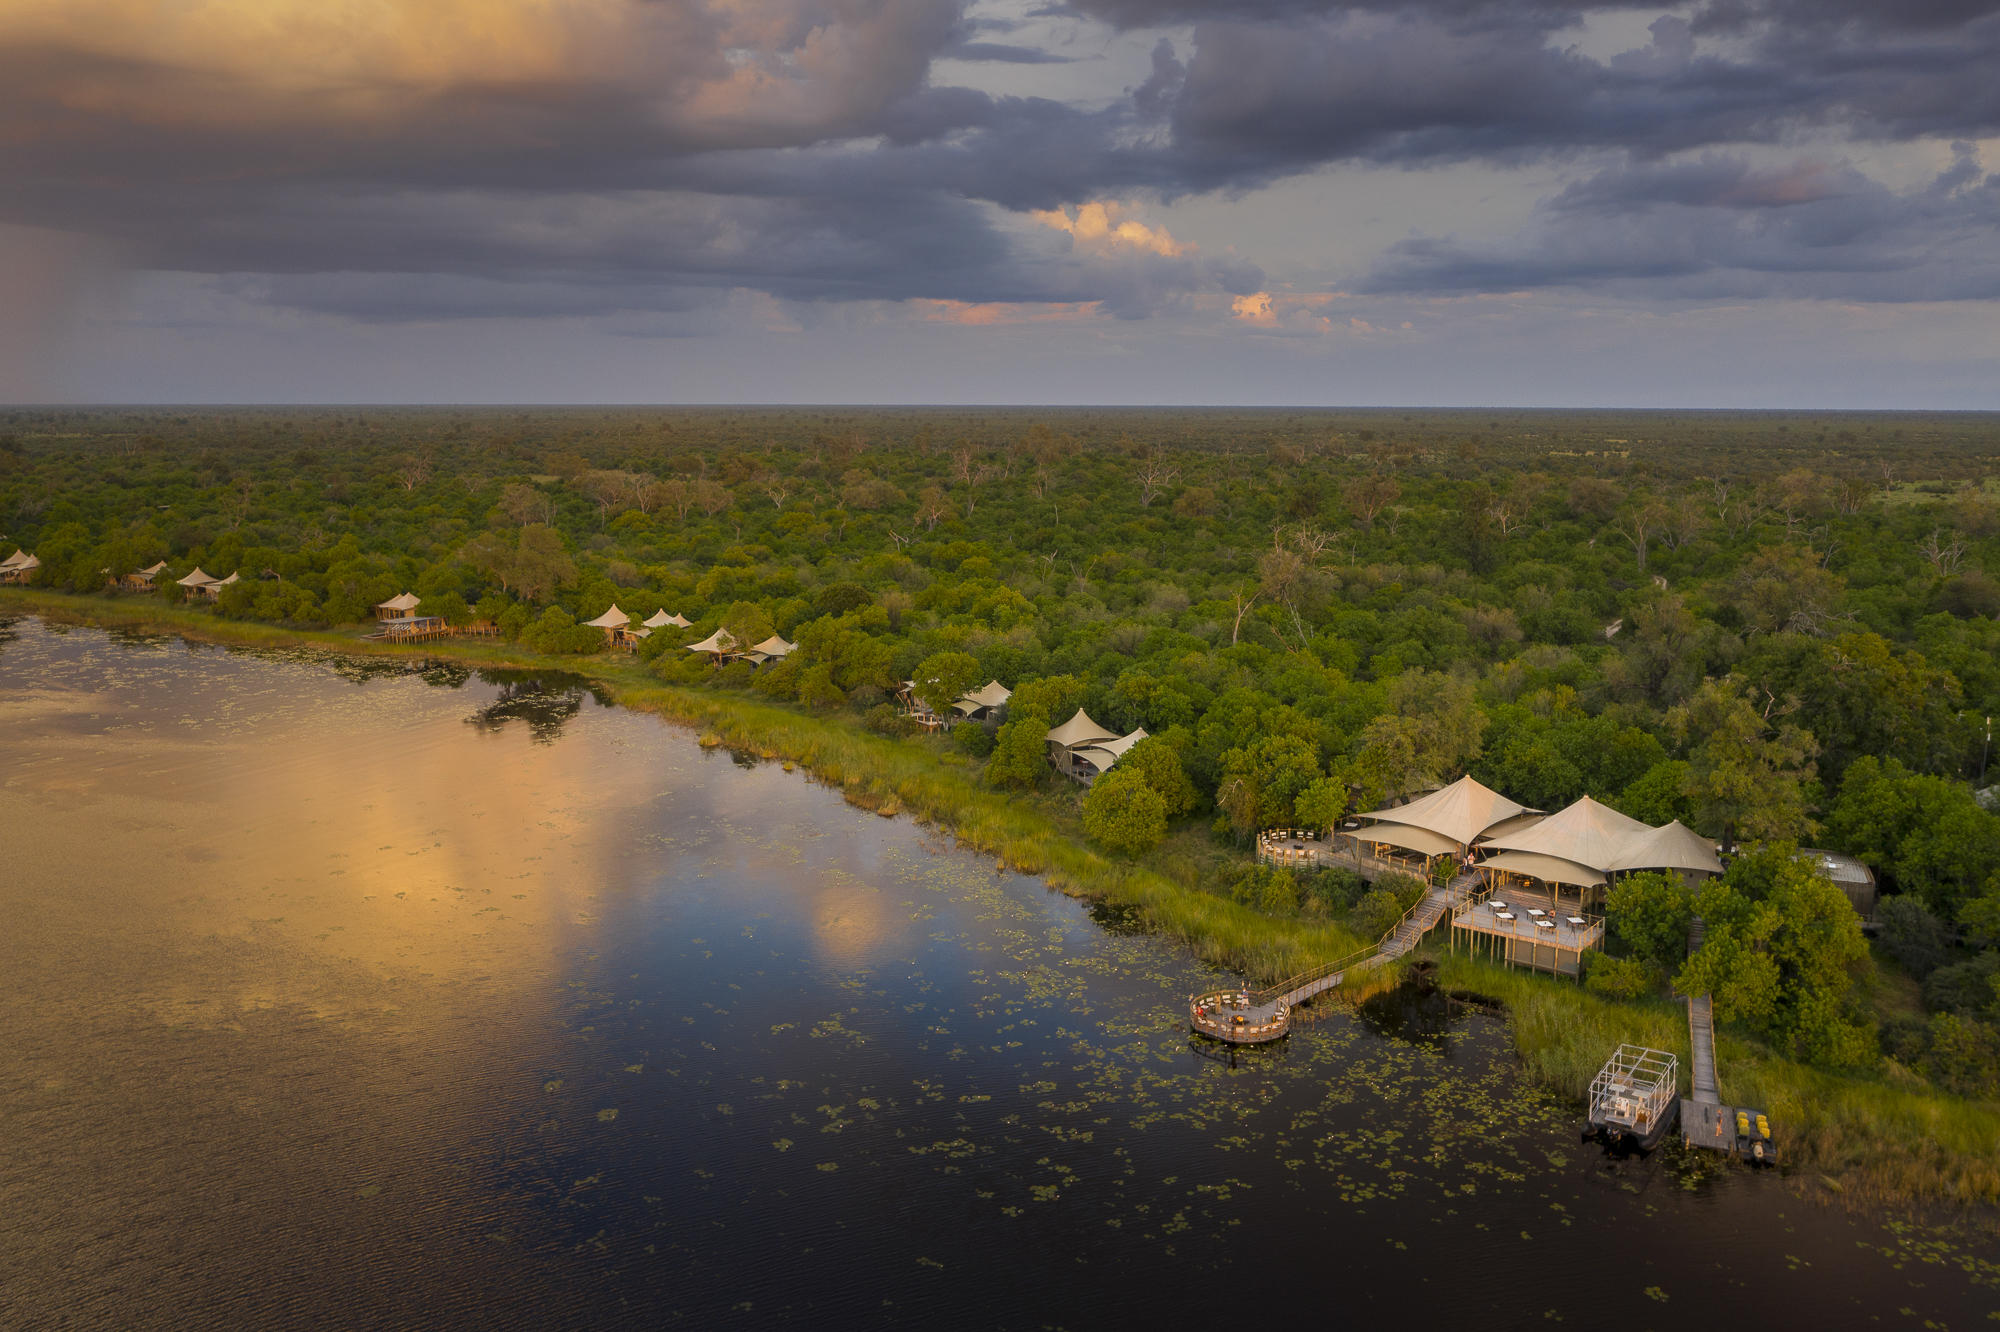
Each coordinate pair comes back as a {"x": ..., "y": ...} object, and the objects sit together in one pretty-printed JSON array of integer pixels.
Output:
[
  {"x": 1705, "y": 1120},
  {"x": 1245, "y": 1017}
]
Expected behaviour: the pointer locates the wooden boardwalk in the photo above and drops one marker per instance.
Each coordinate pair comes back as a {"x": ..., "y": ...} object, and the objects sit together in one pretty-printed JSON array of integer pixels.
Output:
[
  {"x": 1244, "y": 1017},
  {"x": 1701, "y": 1049},
  {"x": 1705, "y": 1120}
]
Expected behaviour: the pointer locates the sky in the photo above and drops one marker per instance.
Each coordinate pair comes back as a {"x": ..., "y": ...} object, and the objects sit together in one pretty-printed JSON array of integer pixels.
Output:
[{"x": 1734, "y": 203}]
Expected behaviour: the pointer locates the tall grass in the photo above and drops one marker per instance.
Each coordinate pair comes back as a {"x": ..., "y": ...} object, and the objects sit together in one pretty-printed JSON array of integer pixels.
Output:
[{"x": 1878, "y": 1141}]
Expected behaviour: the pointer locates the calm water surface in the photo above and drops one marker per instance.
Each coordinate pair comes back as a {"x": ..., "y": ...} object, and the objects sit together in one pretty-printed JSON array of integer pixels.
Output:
[{"x": 339, "y": 998}]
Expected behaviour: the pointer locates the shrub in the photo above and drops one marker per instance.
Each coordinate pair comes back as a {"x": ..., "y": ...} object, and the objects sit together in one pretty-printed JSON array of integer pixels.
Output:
[
  {"x": 972, "y": 738},
  {"x": 1376, "y": 913},
  {"x": 1338, "y": 889},
  {"x": 1404, "y": 889},
  {"x": 1965, "y": 988},
  {"x": 1021, "y": 756},
  {"x": 1965, "y": 1056},
  {"x": 1122, "y": 813},
  {"x": 884, "y": 719},
  {"x": 1618, "y": 977},
  {"x": 1913, "y": 936},
  {"x": 1278, "y": 895}
]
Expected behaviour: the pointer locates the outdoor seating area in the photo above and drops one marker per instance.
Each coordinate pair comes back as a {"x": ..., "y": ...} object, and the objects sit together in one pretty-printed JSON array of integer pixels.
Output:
[
  {"x": 1525, "y": 926},
  {"x": 1295, "y": 848},
  {"x": 1233, "y": 1017}
]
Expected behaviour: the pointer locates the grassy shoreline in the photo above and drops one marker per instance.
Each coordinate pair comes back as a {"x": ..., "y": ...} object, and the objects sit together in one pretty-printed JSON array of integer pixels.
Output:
[{"x": 1865, "y": 1140}]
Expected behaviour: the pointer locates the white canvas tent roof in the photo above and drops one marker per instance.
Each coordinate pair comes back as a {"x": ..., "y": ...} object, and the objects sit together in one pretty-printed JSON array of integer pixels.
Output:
[
  {"x": 718, "y": 642},
  {"x": 16, "y": 560},
  {"x": 989, "y": 695},
  {"x": 1546, "y": 868},
  {"x": 1421, "y": 840},
  {"x": 196, "y": 578},
  {"x": 154, "y": 571},
  {"x": 1079, "y": 730},
  {"x": 660, "y": 620},
  {"x": 406, "y": 601},
  {"x": 1102, "y": 756},
  {"x": 1461, "y": 811},
  {"x": 775, "y": 646},
  {"x": 1585, "y": 833},
  {"x": 1673, "y": 847},
  {"x": 611, "y": 619},
  {"x": 225, "y": 582}
]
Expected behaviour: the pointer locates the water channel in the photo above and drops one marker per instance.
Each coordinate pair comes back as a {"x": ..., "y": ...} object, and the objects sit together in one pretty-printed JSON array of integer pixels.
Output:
[{"x": 333, "y": 997}]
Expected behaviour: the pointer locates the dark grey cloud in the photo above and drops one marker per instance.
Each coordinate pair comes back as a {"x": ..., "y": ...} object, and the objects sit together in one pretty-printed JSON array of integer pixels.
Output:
[
  {"x": 1721, "y": 227},
  {"x": 804, "y": 148}
]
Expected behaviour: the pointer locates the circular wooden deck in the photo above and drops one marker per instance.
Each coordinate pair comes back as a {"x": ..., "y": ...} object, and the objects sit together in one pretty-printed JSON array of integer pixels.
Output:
[{"x": 1228, "y": 1015}]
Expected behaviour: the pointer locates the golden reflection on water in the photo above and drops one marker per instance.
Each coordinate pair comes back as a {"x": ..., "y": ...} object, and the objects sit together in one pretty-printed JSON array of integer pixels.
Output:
[{"x": 276, "y": 946}]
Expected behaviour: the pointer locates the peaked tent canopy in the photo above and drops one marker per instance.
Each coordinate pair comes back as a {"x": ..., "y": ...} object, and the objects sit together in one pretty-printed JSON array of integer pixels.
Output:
[
  {"x": 1102, "y": 756},
  {"x": 719, "y": 642},
  {"x": 1675, "y": 846},
  {"x": 611, "y": 619},
  {"x": 1546, "y": 868},
  {"x": 1461, "y": 811},
  {"x": 407, "y": 601},
  {"x": 774, "y": 646},
  {"x": 1586, "y": 833},
  {"x": 660, "y": 620},
  {"x": 18, "y": 558},
  {"x": 196, "y": 578},
  {"x": 225, "y": 582},
  {"x": 989, "y": 695},
  {"x": 1079, "y": 730},
  {"x": 1420, "y": 840}
]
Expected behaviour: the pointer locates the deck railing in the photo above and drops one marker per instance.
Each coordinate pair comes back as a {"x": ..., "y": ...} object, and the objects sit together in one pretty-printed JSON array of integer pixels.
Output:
[{"x": 1272, "y": 993}]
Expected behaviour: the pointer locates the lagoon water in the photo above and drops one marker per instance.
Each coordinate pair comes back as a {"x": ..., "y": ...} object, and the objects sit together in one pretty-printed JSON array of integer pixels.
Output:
[{"x": 335, "y": 997}]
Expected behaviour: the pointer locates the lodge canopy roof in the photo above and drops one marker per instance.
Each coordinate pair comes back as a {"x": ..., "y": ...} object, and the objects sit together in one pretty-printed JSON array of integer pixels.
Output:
[
  {"x": 1410, "y": 838},
  {"x": 719, "y": 642},
  {"x": 989, "y": 695},
  {"x": 1548, "y": 869},
  {"x": 1461, "y": 811},
  {"x": 1079, "y": 730}
]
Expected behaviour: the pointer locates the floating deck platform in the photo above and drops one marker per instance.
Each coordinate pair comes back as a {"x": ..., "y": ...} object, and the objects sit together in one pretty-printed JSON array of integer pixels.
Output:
[{"x": 1632, "y": 1097}]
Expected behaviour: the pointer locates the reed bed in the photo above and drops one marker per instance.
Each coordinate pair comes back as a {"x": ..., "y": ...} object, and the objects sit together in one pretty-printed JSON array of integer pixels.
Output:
[{"x": 1862, "y": 1136}]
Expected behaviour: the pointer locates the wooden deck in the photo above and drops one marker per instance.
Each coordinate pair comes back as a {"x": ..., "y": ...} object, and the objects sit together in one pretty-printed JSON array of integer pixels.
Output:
[
  {"x": 1557, "y": 945},
  {"x": 1245, "y": 1017}
]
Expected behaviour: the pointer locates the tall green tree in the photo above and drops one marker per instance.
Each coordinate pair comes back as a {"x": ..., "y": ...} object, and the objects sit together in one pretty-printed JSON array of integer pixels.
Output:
[
  {"x": 942, "y": 677},
  {"x": 1746, "y": 774},
  {"x": 1123, "y": 813}
]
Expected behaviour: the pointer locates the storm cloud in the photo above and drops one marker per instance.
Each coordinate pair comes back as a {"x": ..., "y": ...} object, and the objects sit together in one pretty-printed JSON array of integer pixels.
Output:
[{"x": 420, "y": 160}]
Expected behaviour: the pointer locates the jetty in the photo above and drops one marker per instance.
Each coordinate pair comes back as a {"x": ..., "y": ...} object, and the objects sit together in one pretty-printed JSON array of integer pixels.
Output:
[
  {"x": 1247, "y": 1017},
  {"x": 1705, "y": 1120}
]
